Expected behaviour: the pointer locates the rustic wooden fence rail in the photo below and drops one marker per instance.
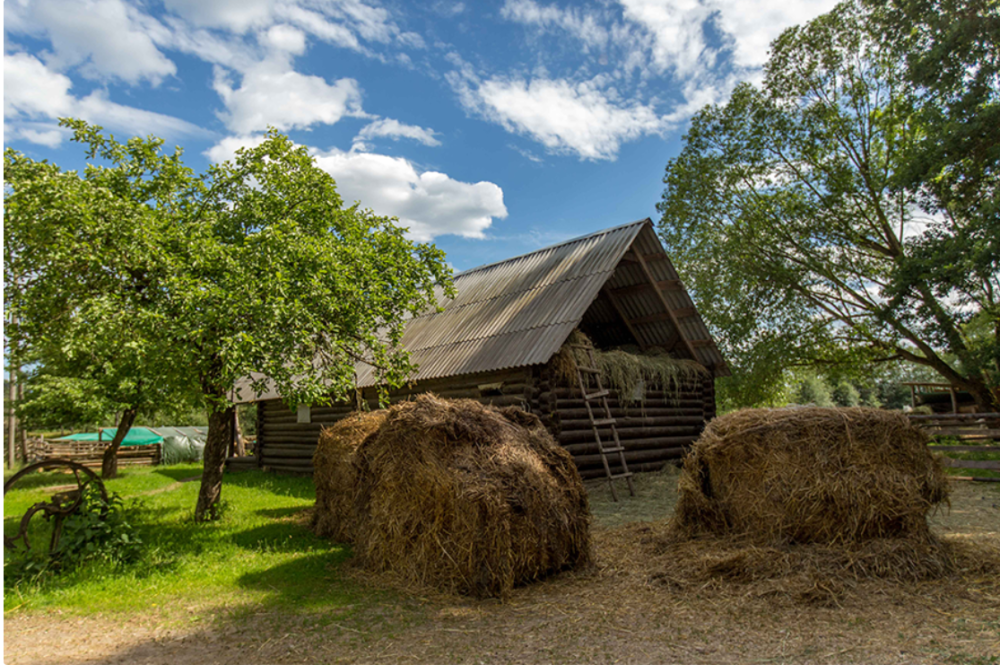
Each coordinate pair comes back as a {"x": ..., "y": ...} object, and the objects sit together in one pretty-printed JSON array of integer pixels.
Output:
[
  {"x": 981, "y": 429},
  {"x": 89, "y": 453}
]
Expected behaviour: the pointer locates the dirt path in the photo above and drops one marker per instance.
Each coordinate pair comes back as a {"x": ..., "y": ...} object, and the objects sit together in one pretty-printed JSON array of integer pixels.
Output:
[{"x": 614, "y": 614}]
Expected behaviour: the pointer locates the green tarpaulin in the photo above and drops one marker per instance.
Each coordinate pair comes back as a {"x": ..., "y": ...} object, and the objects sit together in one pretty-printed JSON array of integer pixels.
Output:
[{"x": 137, "y": 436}]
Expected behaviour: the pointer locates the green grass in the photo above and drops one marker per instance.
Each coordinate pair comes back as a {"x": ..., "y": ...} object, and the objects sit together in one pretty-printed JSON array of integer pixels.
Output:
[{"x": 259, "y": 555}]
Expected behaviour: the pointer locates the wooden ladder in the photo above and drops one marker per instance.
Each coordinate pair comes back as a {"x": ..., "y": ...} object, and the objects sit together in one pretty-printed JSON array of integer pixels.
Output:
[{"x": 595, "y": 423}]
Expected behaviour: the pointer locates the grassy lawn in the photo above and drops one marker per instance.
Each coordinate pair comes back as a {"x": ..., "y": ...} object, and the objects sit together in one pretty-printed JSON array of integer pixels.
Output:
[{"x": 260, "y": 555}]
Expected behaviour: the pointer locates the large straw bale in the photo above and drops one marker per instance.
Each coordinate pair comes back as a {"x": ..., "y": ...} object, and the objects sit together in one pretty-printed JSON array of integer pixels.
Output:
[
  {"x": 334, "y": 473},
  {"x": 464, "y": 497},
  {"x": 810, "y": 475}
]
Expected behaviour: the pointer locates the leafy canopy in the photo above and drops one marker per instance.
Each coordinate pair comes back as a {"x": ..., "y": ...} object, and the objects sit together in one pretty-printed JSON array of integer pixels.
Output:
[{"x": 792, "y": 214}]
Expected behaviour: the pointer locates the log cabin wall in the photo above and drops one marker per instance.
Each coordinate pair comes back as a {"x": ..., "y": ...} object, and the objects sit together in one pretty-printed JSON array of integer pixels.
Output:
[
  {"x": 287, "y": 446},
  {"x": 653, "y": 433}
]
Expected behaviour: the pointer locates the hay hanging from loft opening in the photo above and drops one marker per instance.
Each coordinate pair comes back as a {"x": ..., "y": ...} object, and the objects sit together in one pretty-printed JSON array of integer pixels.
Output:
[{"x": 627, "y": 370}]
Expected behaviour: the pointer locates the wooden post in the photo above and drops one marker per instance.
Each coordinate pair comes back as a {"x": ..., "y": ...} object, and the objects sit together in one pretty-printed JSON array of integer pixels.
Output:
[
  {"x": 12, "y": 419},
  {"x": 954, "y": 399}
]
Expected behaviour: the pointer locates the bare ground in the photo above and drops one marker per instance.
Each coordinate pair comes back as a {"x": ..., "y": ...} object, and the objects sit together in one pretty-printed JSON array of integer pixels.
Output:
[{"x": 614, "y": 614}]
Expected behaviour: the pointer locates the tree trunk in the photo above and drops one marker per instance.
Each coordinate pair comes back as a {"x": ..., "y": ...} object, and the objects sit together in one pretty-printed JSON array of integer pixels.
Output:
[
  {"x": 109, "y": 462},
  {"x": 220, "y": 433}
]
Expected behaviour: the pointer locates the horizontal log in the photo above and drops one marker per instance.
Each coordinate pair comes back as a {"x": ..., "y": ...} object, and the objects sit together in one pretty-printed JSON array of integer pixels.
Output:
[
  {"x": 626, "y": 434},
  {"x": 637, "y": 457},
  {"x": 993, "y": 465},
  {"x": 922, "y": 418},
  {"x": 299, "y": 447},
  {"x": 965, "y": 449},
  {"x": 579, "y": 424},
  {"x": 586, "y": 449},
  {"x": 293, "y": 469},
  {"x": 270, "y": 455},
  {"x": 280, "y": 438},
  {"x": 269, "y": 426},
  {"x": 965, "y": 432}
]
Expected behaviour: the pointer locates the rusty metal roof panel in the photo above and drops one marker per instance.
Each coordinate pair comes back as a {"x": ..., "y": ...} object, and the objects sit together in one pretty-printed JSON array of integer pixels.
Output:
[{"x": 519, "y": 312}]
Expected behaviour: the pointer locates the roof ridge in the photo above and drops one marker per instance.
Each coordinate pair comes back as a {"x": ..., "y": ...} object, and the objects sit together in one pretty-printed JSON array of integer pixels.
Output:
[{"x": 558, "y": 244}]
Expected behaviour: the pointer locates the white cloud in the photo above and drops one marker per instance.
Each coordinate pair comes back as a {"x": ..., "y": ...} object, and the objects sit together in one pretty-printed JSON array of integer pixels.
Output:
[
  {"x": 272, "y": 93},
  {"x": 235, "y": 15},
  {"x": 34, "y": 92},
  {"x": 286, "y": 39},
  {"x": 386, "y": 127},
  {"x": 754, "y": 24},
  {"x": 580, "y": 118},
  {"x": 227, "y": 147},
  {"x": 429, "y": 203},
  {"x": 32, "y": 89},
  {"x": 107, "y": 39},
  {"x": 584, "y": 25}
]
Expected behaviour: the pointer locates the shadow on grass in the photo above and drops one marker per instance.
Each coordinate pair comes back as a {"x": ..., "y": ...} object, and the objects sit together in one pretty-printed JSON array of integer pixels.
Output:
[
  {"x": 179, "y": 473},
  {"x": 291, "y": 486}
]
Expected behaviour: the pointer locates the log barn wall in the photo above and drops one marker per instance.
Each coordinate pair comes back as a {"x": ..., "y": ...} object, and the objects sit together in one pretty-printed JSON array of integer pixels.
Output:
[{"x": 653, "y": 433}]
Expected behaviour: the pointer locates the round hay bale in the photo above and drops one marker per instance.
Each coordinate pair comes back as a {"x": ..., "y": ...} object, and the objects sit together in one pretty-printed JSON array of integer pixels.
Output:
[
  {"x": 463, "y": 497},
  {"x": 810, "y": 475},
  {"x": 334, "y": 473}
]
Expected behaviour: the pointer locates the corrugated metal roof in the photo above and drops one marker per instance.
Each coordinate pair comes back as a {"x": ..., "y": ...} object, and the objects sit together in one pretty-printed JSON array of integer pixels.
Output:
[{"x": 520, "y": 311}]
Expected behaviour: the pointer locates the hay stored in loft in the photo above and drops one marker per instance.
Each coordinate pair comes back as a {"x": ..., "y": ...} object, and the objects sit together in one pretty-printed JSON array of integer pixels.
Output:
[
  {"x": 334, "y": 474},
  {"x": 469, "y": 498},
  {"x": 627, "y": 370},
  {"x": 810, "y": 475}
]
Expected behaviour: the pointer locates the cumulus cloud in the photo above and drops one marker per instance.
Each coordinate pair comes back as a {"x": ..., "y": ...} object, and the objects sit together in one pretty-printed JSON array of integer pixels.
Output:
[
  {"x": 393, "y": 129},
  {"x": 429, "y": 203},
  {"x": 580, "y": 118},
  {"x": 107, "y": 39},
  {"x": 33, "y": 93},
  {"x": 271, "y": 93}
]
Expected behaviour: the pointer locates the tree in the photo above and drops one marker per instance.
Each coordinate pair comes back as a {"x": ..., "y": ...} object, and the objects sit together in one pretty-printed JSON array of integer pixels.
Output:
[
  {"x": 813, "y": 390},
  {"x": 845, "y": 394},
  {"x": 83, "y": 284},
  {"x": 788, "y": 214},
  {"x": 258, "y": 268}
]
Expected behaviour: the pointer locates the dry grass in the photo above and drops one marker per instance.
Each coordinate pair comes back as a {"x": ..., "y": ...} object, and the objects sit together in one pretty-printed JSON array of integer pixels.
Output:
[
  {"x": 808, "y": 502},
  {"x": 627, "y": 370},
  {"x": 458, "y": 496},
  {"x": 335, "y": 476}
]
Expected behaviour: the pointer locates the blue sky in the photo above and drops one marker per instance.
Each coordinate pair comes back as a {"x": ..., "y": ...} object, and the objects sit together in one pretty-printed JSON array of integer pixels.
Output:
[{"x": 491, "y": 129}]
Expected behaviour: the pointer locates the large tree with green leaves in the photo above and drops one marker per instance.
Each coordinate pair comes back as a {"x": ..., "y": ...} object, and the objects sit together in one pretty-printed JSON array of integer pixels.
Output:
[
  {"x": 264, "y": 270},
  {"x": 794, "y": 213},
  {"x": 84, "y": 271}
]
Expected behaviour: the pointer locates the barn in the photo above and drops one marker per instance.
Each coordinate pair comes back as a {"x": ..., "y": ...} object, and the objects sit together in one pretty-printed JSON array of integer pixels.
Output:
[{"x": 496, "y": 340}]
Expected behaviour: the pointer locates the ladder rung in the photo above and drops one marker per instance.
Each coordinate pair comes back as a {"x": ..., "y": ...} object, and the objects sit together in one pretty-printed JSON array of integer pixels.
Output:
[
  {"x": 615, "y": 476},
  {"x": 617, "y": 449},
  {"x": 599, "y": 393},
  {"x": 588, "y": 370},
  {"x": 604, "y": 421}
]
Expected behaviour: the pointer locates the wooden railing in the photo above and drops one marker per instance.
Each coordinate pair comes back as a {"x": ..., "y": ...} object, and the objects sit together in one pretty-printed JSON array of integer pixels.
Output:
[
  {"x": 976, "y": 433},
  {"x": 90, "y": 453}
]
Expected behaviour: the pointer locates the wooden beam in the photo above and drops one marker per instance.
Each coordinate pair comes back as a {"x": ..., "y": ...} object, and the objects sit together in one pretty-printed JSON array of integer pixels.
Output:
[
  {"x": 618, "y": 308},
  {"x": 649, "y": 318},
  {"x": 663, "y": 284},
  {"x": 666, "y": 306},
  {"x": 685, "y": 312}
]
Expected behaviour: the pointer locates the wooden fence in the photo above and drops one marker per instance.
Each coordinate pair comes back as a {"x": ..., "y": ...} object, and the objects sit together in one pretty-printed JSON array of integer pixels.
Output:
[
  {"x": 976, "y": 432},
  {"x": 90, "y": 453}
]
